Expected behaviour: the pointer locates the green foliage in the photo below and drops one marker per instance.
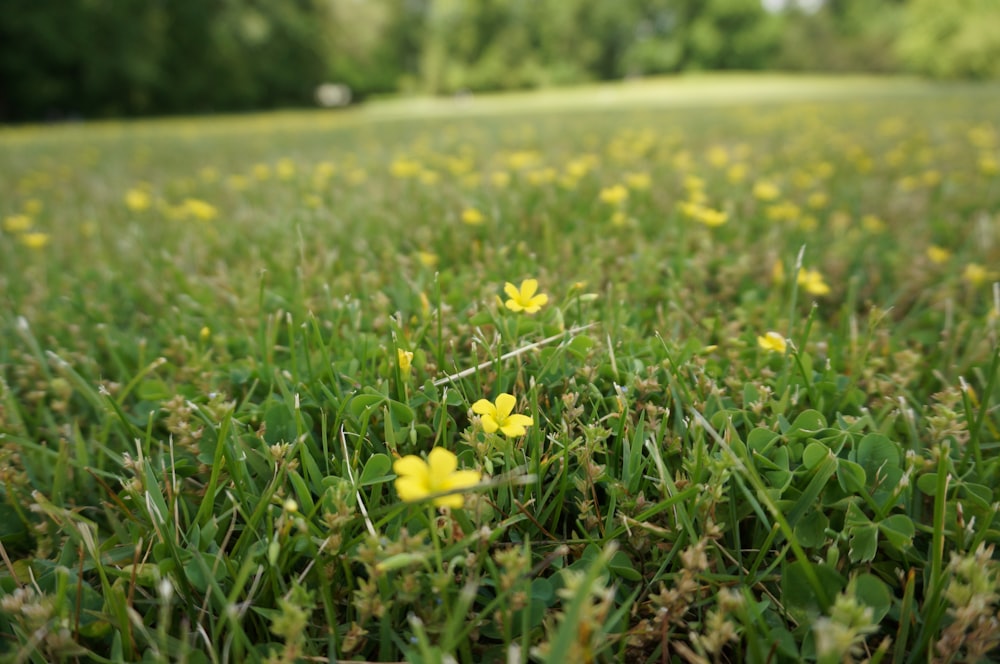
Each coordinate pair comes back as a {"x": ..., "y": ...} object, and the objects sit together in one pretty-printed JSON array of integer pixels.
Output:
[
  {"x": 219, "y": 338},
  {"x": 88, "y": 58},
  {"x": 97, "y": 58},
  {"x": 844, "y": 36},
  {"x": 958, "y": 39},
  {"x": 490, "y": 45}
]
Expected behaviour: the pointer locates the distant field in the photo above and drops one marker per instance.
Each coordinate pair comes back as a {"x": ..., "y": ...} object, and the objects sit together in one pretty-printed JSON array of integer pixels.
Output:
[{"x": 691, "y": 370}]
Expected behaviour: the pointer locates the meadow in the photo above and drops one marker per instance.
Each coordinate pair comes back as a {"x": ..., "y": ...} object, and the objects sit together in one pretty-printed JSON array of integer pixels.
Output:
[{"x": 687, "y": 375}]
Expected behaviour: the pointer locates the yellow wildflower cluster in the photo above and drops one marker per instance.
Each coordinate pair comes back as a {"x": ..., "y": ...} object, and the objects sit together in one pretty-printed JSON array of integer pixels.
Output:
[
  {"x": 703, "y": 214},
  {"x": 614, "y": 195},
  {"x": 812, "y": 282},
  {"x": 21, "y": 226}
]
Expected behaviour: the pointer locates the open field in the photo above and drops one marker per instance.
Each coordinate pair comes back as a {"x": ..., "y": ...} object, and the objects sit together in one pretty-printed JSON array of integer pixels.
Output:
[{"x": 752, "y": 412}]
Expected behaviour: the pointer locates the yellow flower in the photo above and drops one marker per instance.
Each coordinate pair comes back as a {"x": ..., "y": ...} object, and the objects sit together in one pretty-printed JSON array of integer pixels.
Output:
[
  {"x": 262, "y": 172},
  {"x": 736, "y": 173},
  {"x": 809, "y": 223},
  {"x": 977, "y": 275},
  {"x": 405, "y": 168},
  {"x": 427, "y": 258},
  {"x": 417, "y": 479},
  {"x": 693, "y": 183},
  {"x": 812, "y": 282},
  {"x": 35, "y": 240},
  {"x": 137, "y": 200},
  {"x": 405, "y": 359},
  {"x": 458, "y": 166},
  {"x": 818, "y": 200},
  {"x": 568, "y": 182},
  {"x": 17, "y": 223},
  {"x": 199, "y": 209},
  {"x": 638, "y": 181},
  {"x": 778, "y": 272},
  {"x": 472, "y": 216},
  {"x": 711, "y": 217},
  {"x": 522, "y": 159},
  {"x": 500, "y": 179},
  {"x": 499, "y": 416},
  {"x": 766, "y": 190},
  {"x": 717, "y": 156},
  {"x": 785, "y": 211},
  {"x": 285, "y": 169},
  {"x": 542, "y": 176},
  {"x": 772, "y": 341},
  {"x": 323, "y": 171},
  {"x": 33, "y": 206},
  {"x": 872, "y": 224},
  {"x": 988, "y": 164},
  {"x": 614, "y": 195},
  {"x": 577, "y": 168},
  {"x": 525, "y": 299},
  {"x": 938, "y": 254}
]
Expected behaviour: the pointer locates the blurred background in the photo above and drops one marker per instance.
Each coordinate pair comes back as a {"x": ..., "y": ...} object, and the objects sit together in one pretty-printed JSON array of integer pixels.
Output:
[{"x": 78, "y": 59}]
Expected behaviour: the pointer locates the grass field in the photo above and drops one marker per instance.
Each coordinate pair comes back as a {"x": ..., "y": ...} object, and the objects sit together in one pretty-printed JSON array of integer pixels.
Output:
[{"x": 692, "y": 371}]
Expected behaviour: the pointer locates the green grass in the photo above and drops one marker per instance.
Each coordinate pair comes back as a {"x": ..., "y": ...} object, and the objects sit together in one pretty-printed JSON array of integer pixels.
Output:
[{"x": 205, "y": 328}]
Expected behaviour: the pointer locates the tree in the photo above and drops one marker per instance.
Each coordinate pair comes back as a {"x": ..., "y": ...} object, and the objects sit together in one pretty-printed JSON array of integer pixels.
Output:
[{"x": 956, "y": 39}]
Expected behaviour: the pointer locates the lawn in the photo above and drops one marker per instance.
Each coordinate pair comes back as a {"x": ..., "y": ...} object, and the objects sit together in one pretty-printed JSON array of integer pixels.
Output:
[{"x": 700, "y": 370}]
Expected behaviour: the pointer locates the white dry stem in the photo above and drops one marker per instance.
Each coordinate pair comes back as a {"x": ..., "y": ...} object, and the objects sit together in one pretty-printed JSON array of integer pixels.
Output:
[
  {"x": 350, "y": 476},
  {"x": 506, "y": 356}
]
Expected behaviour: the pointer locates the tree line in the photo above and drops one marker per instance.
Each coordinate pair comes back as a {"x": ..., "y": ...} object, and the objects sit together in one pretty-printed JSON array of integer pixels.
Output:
[{"x": 98, "y": 58}]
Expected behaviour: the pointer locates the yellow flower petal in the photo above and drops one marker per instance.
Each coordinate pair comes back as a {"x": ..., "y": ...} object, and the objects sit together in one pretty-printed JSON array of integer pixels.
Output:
[
  {"x": 489, "y": 423},
  {"x": 505, "y": 405},
  {"x": 528, "y": 288},
  {"x": 454, "y": 501},
  {"x": 410, "y": 465},
  {"x": 514, "y": 425},
  {"x": 521, "y": 420},
  {"x": 462, "y": 479},
  {"x": 411, "y": 489},
  {"x": 512, "y": 430},
  {"x": 441, "y": 463},
  {"x": 404, "y": 359},
  {"x": 417, "y": 479},
  {"x": 772, "y": 341},
  {"x": 483, "y": 407},
  {"x": 511, "y": 291}
]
